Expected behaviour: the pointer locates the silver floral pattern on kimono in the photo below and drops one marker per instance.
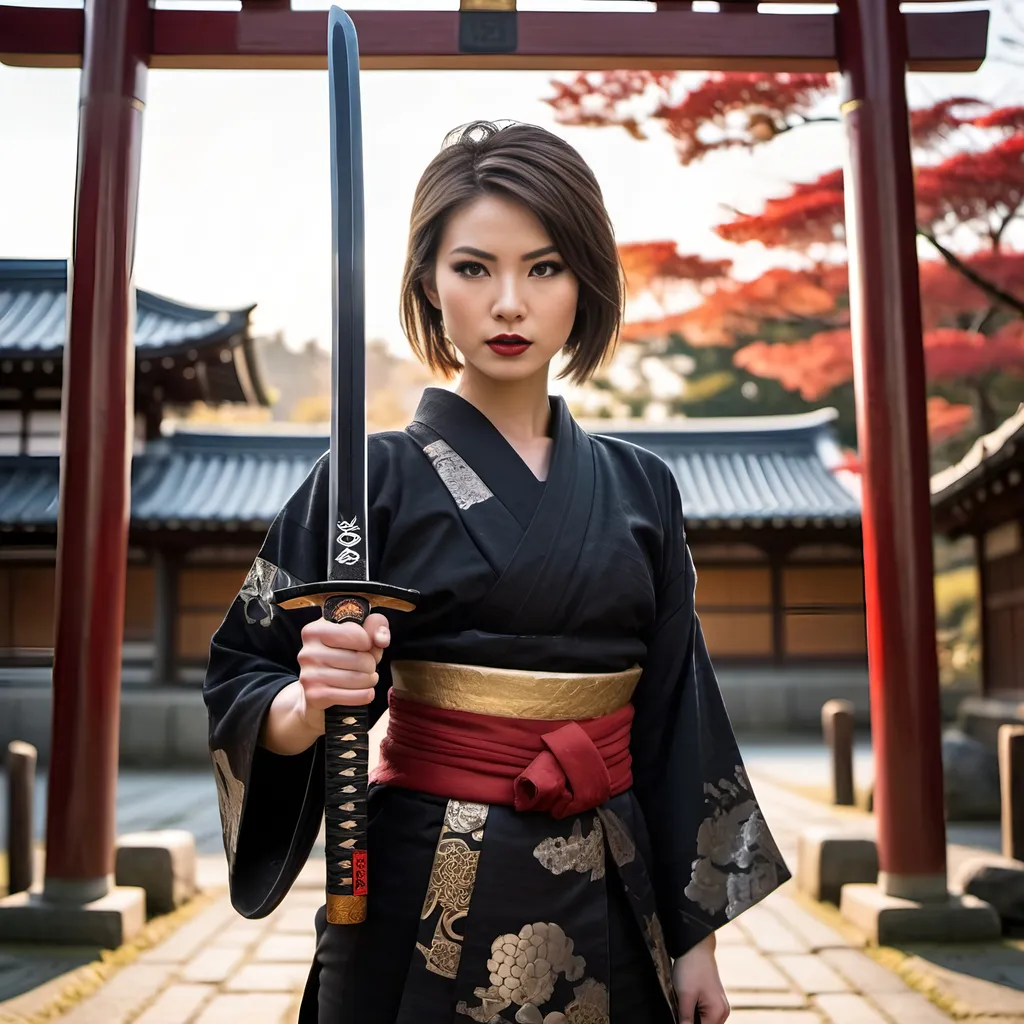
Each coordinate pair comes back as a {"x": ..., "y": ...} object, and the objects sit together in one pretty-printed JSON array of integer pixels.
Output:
[
  {"x": 230, "y": 797},
  {"x": 575, "y": 853},
  {"x": 523, "y": 971},
  {"x": 738, "y": 863},
  {"x": 450, "y": 889}
]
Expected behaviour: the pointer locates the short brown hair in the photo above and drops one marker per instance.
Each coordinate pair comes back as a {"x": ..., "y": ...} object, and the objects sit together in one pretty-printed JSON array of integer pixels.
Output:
[{"x": 545, "y": 174}]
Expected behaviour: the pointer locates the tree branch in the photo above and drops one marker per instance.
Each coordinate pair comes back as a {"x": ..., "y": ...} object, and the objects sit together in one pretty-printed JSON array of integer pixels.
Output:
[{"x": 993, "y": 291}]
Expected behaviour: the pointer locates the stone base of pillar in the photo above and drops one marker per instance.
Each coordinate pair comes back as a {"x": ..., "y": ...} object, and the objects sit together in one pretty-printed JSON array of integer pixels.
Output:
[
  {"x": 890, "y": 921},
  {"x": 829, "y": 858},
  {"x": 163, "y": 863},
  {"x": 108, "y": 922}
]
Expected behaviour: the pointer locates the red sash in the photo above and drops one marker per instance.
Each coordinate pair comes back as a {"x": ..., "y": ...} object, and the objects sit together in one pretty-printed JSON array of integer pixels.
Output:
[{"x": 562, "y": 768}]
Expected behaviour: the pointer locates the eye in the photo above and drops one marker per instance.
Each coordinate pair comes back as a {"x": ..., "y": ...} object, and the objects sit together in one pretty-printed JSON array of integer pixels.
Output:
[
  {"x": 470, "y": 269},
  {"x": 549, "y": 268}
]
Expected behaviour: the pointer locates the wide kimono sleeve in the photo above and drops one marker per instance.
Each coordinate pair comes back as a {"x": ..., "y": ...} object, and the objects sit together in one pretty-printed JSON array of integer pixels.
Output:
[
  {"x": 712, "y": 853},
  {"x": 271, "y": 805}
]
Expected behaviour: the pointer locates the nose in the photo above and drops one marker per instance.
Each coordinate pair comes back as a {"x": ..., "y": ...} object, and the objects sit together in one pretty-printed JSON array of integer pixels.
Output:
[{"x": 509, "y": 305}]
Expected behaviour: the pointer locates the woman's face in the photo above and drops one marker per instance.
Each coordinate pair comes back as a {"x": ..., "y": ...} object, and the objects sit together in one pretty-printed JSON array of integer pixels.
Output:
[{"x": 507, "y": 299}]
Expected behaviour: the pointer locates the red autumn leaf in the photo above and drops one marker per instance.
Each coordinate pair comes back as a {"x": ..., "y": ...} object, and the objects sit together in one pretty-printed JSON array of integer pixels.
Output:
[
  {"x": 973, "y": 186},
  {"x": 812, "y": 213},
  {"x": 739, "y": 308},
  {"x": 946, "y": 420},
  {"x": 606, "y": 98},
  {"x": 655, "y": 266},
  {"x": 1011, "y": 118},
  {"x": 947, "y": 295},
  {"x": 940, "y": 120},
  {"x": 725, "y": 109},
  {"x": 951, "y": 354},
  {"x": 813, "y": 367}
]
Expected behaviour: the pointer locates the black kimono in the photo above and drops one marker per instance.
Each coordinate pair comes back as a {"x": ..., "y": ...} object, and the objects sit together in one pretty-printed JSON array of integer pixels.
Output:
[{"x": 481, "y": 912}]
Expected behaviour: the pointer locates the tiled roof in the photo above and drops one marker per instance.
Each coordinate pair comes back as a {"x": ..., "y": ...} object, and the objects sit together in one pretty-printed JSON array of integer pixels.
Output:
[
  {"x": 989, "y": 452},
  {"x": 755, "y": 471},
  {"x": 185, "y": 481},
  {"x": 764, "y": 472},
  {"x": 33, "y": 310}
]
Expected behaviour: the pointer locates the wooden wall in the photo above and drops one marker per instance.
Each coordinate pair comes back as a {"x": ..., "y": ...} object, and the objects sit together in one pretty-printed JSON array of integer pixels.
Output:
[{"x": 752, "y": 608}]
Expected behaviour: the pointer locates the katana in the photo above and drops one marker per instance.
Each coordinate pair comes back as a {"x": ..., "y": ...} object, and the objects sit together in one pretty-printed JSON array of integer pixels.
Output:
[{"x": 348, "y": 594}]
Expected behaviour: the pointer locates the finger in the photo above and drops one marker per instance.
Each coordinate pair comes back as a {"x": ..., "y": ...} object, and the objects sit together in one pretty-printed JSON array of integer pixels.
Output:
[
  {"x": 687, "y": 1007},
  {"x": 321, "y": 697},
  {"x": 315, "y": 654},
  {"x": 336, "y": 679},
  {"x": 714, "y": 1009},
  {"x": 378, "y": 629},
  {"x": 343, "y": 636}
]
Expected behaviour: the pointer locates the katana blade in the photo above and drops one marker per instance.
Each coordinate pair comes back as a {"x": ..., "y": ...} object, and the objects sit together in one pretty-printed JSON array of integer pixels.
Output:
[
  {"x": 348, "y": 594},
  {"x": 347, "y": 554}
]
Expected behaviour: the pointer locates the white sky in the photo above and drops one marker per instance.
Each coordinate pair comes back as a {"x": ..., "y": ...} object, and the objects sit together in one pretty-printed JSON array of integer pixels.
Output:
[{"x": 235, "y": 203}]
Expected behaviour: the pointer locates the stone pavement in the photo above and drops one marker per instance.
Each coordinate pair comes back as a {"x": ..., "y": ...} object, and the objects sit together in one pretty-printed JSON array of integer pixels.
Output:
[{"x": 781, "y": 963}]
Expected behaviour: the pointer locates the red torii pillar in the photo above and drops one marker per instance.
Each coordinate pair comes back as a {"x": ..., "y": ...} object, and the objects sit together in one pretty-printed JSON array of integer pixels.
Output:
[
  {"x": 885, "y": 307},
  {"x": 97, "y": 432}
]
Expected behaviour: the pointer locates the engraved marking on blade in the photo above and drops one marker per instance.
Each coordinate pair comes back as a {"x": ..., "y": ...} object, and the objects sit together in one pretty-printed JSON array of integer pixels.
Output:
[{"x": 348, "y": 537}]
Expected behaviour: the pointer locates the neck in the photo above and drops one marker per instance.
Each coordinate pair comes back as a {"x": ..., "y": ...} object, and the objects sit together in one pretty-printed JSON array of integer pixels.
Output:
[{"x": 519, "y": 409}]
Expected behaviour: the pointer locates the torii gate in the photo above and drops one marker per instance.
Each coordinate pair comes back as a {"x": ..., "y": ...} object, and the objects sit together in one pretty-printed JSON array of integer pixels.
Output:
[{"x": 869, "y": 41}]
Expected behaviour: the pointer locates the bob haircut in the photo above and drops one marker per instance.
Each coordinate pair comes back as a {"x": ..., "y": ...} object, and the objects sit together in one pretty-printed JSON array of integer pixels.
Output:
[{"x": 538, "y": 169}]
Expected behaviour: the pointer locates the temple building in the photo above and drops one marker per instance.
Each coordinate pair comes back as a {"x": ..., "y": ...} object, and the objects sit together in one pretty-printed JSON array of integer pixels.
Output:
[
  {"x": 982, "y": 496},
  {"x": 772, "y": 518}
]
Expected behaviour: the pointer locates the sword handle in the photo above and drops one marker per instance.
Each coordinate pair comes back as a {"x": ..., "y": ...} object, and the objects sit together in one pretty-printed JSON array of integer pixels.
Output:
[{"x": 347, "y": 764}]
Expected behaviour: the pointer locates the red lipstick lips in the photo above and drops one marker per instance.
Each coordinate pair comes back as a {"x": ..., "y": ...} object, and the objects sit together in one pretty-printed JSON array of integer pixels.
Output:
[{"x": 508, "y": 344}]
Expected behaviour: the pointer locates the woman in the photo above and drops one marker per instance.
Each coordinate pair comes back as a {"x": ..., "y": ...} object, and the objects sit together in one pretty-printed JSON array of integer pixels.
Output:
[{"x": 560, "y": 818}]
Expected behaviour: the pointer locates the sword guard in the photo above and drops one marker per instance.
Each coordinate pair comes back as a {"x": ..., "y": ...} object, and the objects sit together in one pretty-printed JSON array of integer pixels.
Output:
[{"x": 376, "y": 595}]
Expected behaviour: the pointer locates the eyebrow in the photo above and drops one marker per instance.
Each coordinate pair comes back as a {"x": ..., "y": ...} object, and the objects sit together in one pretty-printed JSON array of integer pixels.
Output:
[{"x": 480, "y": 254}]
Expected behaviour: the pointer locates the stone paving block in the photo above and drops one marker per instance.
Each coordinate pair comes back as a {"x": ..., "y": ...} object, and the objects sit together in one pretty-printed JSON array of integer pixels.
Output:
[
  {"x": 811, "y": 974},
  {"x": 774, "y": 1017},
  {"x": 286, "y": 949},
  {"x": 242, "y": 933},
  {"x": 731, "y": 934},
  {"x": 814, "y": 932},
  {"x": 769, "y": 933},
  {"x": 190, "y": 937},
  {"x": 297, "y": 920},
  {"x": 121, "y": 997},
  {"x": 910, "y": 1008},
  {"x": 269, "y": 978},
  {"x": 767, "y": 1001},
  {"x": 863, "y": 973},
  {"x": 848, "y": 1008},
  {"x": 176, "y": 1005},
  {"x": 213, "y": 964},
  {"x": 264, "y": 1008},
  {"x": 742, "y": 967}
]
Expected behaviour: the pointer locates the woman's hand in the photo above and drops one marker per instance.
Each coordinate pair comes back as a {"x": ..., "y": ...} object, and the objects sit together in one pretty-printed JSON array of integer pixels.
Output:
[
  {"x": 338, "y": 665},
  {"x": 698, "y": 986}
]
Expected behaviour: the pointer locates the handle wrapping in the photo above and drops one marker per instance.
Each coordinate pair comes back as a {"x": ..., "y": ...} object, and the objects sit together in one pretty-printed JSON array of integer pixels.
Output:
[{"x": 347, "y": 767}]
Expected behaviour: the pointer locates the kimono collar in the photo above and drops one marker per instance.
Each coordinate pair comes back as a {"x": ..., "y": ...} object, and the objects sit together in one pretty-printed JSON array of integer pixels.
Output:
[{"x": 483, "y": 447}]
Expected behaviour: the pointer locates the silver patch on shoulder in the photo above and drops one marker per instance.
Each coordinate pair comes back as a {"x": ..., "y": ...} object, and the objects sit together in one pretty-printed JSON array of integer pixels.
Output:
[
  {"x": 257, "y": 593},
  {"x": 463, "y": 484}
]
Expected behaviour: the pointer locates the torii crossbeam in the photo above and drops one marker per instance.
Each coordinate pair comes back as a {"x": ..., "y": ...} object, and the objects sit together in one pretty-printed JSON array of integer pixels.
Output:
[{"x": 869, "y": 41}]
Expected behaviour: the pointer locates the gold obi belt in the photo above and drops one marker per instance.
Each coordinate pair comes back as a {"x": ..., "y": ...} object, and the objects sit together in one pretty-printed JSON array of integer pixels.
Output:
[{"x": 467, "y": 732}]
